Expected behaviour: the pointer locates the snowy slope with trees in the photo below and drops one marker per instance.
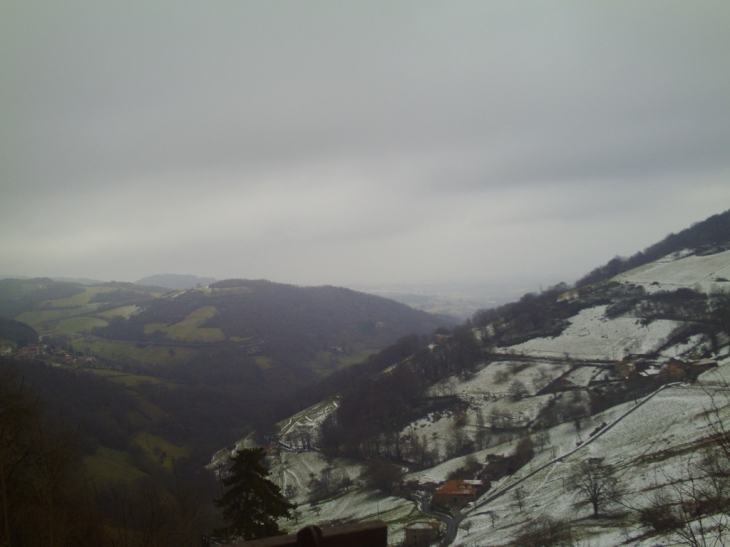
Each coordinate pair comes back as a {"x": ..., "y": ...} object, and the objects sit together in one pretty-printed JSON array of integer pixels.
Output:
[{"x": 605, "y": 378}]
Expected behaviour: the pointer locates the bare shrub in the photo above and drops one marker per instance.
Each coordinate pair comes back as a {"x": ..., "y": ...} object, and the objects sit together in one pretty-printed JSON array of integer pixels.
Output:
[{"x": 545, "y": 532}]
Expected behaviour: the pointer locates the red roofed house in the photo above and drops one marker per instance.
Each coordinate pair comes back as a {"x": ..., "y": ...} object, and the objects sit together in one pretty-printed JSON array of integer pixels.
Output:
[
  {"x": 456, "y": 494},
  {"x": 421, "y": 534},
  {"x": 673, "y": 372}
]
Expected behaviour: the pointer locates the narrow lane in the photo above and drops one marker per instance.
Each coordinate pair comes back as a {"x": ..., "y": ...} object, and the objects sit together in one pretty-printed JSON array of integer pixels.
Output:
[{"x": 452, "y": 524}]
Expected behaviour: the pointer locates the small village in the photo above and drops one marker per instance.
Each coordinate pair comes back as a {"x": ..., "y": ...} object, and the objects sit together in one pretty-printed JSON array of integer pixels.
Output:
[{"x": 43, "y": 354}]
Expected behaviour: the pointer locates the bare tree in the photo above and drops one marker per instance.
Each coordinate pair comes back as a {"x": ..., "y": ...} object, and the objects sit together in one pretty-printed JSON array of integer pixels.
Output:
[
  {"x": 315, "y": 508},
  {"x": 519, "y": 495},
  {"x": 481, "y": 438},
  {"x": 596, "y": 484},
  {"x": 499, "y": 418},
  {"x": 290, "y": 491},
  {"x": 382, "y": 475},
  {"x": 718, "y": 426},
  {"x": 543, "y": 379},
  {"x": 501, "y": 377},
  {"x": 694, "y": 507},
  {"x": 420, "y": 451},
  {"x": 517, "y": 390},
  {"x": 542, "y": 439}
]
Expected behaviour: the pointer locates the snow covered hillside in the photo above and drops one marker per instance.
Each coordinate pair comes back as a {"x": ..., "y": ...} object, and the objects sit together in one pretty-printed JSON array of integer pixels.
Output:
[
  {"x": 648, "y": 442},
  {"x": 705, "y": 273},
  {"x": 591, "y": 335},
  {"x": 626, "y": 381}
]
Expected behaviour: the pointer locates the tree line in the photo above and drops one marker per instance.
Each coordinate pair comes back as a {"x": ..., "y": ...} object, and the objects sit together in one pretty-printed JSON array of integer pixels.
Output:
[
  {"x": 48, "y": 499},
  {"x": 713, "y": 231}
]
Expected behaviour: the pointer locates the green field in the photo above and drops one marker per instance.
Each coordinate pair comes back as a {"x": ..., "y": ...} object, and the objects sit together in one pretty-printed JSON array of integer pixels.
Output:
[
  {"x": 327, "y": 362},
  {"x": 122, "y": 311},
  {"x": 356, "y": 357},
  {"x": 79, "y": 324},
  {"x": 128, "y": 380},
  {"x": 263, "y": 361},
  {"x": 109, "y": 465},
  {"x": 149, "y": 328},
  {"x": 189, "y": 328},
  {"x": 39, "y": 317},
  {"x": 69, "y": 315},
  {"x": 160, "y": 450},
  {"x": 80, "y": 299},
  {"x": 141, "y": 353},
  {"x": 138, "y": 419}
]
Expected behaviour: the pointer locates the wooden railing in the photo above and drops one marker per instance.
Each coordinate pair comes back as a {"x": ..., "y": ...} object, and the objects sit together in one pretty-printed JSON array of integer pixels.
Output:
[{"x": 365, "y": 534}]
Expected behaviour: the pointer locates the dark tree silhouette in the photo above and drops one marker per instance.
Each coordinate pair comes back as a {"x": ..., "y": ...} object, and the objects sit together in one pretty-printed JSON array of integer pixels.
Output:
[
  {"x": 252, "y": 502},
  {"x": 382, "y": 475}
]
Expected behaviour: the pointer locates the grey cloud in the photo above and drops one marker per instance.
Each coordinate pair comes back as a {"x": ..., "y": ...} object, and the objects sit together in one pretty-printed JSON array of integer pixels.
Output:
[{"x": 358, "y": 131}]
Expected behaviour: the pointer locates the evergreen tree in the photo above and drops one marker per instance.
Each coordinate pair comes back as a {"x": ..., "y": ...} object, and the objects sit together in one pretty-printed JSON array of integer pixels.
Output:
[{"x": 252, "y": 503}]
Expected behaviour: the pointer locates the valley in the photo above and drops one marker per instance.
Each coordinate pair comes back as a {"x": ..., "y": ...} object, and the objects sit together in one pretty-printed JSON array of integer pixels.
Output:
[
  {"x": 365, "y": 274},
  {"x": 366, "y": 408},
  {"x": 235, "y": 348},
  {"x": 640, "y": 391}
]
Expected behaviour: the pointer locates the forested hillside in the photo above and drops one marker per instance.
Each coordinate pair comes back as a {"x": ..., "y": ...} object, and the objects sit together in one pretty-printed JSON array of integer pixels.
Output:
[{"x": 151, "y": 374}]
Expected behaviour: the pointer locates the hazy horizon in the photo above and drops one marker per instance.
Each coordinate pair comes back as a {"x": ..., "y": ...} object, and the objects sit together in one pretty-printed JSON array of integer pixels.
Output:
[{"x": 411, "y": 143}]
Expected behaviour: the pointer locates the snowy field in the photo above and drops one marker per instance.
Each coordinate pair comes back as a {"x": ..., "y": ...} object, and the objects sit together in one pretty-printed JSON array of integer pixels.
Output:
[
  {"x": 488, "y": 391},
  {"x": 305, "y": 422},
  {"x": 352, "y": 505},
  {"x": 694, "y": 344},
  {"x": 646, "y": 446},
  {"x": 487, "y": 383},
  {"x": 356, "y": 506},
  {"x": 294, "y": 468},
  {"x": 582, "y": 376},
  {"x": 646, "y": 441},
  {"x": 591, "y": 335},
  {"x": 700, "y": 272}
]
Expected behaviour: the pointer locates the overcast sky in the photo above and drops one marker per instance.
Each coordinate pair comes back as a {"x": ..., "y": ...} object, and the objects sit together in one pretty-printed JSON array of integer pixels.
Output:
[{"x": 356, "y": 142}]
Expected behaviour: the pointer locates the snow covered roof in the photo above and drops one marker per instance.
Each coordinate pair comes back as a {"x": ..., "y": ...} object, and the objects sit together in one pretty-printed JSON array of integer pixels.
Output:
[{"x": 705, "y": 363}]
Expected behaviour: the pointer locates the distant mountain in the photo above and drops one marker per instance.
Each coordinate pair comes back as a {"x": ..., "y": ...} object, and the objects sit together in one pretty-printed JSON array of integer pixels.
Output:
[
  {"x": 175, "y": 281},
  {"x": 290, "y": 324},
  {"x": 79, "y": 280}
]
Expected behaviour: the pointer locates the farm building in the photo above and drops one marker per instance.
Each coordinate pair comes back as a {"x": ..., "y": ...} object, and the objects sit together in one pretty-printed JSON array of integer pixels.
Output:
[
  {"x": 456, "y": 494},
  {"x": 421, "y": 534}
]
